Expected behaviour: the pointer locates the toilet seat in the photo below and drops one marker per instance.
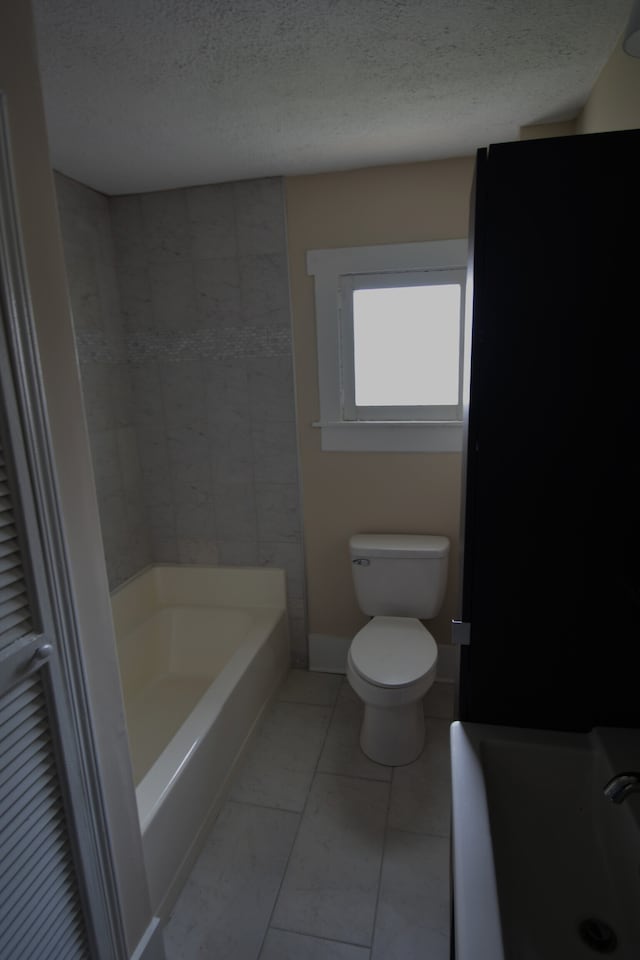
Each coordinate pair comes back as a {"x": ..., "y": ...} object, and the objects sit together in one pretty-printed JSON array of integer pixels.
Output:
[{"x": 393, "y": 652}]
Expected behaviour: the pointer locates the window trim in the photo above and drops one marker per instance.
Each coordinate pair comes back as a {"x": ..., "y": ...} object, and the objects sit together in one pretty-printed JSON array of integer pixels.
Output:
[{"x": 328, "y": 267}]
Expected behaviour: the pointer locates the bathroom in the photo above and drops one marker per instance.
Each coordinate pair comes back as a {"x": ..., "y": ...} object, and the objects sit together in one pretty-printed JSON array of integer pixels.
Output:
[
  {"x": 235, "y": 502},
  {"x": 146, "y": 377}
]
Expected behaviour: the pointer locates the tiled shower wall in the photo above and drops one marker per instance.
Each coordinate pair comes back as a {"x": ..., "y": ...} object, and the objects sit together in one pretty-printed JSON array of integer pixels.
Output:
[
  {"x": 203, "y": 283},
  {"x": 106, "y": 380}
]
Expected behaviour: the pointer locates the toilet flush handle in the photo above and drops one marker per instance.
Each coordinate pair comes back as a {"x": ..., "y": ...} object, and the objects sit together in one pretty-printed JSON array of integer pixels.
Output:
[{"x": 361, "y": 562}]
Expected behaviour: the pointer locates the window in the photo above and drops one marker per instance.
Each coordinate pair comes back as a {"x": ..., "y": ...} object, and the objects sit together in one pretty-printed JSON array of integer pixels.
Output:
[{"x": 390, "y": 334}]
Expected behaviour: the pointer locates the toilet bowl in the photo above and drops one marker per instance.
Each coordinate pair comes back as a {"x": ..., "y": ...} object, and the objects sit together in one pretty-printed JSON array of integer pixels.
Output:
[
  {"x": 391, "y": 665},
  {"x": 399, "y": 580}
]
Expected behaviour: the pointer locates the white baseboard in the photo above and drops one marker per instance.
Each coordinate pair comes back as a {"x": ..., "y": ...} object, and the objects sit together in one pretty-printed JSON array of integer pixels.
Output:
[{"x": 328, "y": 654}]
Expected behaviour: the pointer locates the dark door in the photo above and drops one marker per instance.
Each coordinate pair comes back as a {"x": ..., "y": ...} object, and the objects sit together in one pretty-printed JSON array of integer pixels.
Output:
[{"x": 551, "y": 581}]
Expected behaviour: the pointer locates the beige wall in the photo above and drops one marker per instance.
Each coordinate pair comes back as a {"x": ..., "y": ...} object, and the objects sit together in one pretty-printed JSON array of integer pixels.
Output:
[
  {"x": 614, "y": 102},
  {"x": 367, "y": 492},
  {"x": 345, "y": 493},
  {"x": 540, "y": 131},
  {"x": 19, "y": 80}
]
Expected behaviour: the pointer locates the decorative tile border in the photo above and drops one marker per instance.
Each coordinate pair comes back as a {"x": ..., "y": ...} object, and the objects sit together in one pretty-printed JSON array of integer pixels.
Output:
[
  {"x": 98, "y": 347},
  {"x": 225, "y": 343}
]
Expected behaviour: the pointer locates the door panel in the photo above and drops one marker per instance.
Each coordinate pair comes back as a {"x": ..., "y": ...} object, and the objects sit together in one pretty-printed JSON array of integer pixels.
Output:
[
  {"x": 552, "y": 524},
  {"x": 41, "y": 913}
]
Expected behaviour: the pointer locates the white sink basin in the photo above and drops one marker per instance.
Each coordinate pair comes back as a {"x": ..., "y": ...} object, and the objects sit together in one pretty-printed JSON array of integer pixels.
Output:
[{"x": 544, "y": 866}]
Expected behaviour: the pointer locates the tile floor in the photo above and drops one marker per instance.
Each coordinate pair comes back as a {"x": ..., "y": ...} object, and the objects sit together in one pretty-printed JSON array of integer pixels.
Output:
[{"x": 319, "y": 853}]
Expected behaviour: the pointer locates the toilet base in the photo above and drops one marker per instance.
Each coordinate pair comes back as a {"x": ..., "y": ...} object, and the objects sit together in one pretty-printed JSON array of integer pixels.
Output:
[{"x": 393, "y": 736}]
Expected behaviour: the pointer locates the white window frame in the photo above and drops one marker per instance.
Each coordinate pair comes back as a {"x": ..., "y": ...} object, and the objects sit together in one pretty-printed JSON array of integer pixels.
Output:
[{"x": 334, "y": 272}]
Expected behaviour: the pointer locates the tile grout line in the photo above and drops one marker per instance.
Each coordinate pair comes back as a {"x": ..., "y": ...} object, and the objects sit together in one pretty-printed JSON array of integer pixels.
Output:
[
  {"x": 351, "y": 776},
  {"x": 380, "y": 871},
  {"x": 414, "y": 833},
  {"x": 301, "y": 815},
  {"x": 262, "y": 806},
  {"x": 387, "y": 830},
  {"x": 314, "y": 936}
]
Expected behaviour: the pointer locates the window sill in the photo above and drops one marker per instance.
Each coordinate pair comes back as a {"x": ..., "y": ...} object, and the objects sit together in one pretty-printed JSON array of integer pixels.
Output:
[{"x": 391, "y": 436}]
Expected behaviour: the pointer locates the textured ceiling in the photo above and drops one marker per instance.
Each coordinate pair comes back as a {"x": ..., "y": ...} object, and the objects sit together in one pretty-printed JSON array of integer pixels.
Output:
[{"x": 151, "y": 94}]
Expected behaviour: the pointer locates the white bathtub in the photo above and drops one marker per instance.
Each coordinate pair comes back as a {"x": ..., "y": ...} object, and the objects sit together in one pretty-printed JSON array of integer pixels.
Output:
[
  {"x": 544, "y": 865},
  {"x": 201, "y": 650}
]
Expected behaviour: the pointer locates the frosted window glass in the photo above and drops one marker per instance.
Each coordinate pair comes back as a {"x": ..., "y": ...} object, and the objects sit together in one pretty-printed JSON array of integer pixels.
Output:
[{"x": 407, "y": 345}]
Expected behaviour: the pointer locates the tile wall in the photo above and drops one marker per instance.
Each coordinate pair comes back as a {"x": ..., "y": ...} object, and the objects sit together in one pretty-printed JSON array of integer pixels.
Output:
[
  {"x": 106, "y": 382},
  {"x": 205, "y": 353}
]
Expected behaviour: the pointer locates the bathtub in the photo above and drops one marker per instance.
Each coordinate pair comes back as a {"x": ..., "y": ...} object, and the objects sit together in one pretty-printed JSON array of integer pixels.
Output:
[
  {"x": 201, "y": 651},
  {"x": 544, "y": 865}
]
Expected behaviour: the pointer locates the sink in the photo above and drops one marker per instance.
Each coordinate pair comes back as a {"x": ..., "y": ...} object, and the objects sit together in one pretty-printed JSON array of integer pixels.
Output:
[{"x": 544, "y": 866}]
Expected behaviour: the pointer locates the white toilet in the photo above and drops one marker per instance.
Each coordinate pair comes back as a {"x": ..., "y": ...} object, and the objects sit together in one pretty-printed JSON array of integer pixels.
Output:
[{"x": 392, "y": 660}]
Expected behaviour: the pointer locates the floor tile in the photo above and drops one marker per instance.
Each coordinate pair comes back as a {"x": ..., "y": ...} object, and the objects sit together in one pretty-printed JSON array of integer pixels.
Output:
[
  {"x": 347, "y": 693},
  {"x": 412, "y": 921},
  {"x": 439, "y": 700},
  {"x": 342, "y": 752},
  {"x": 282, "y": 945},
  {"x": 281, "y": 761},
  {"x": 330, "y": 886},
  {"x": 224, "y": 909},
  {"x": 421, "y": 791},
  {"x": 302, "y": 686}
]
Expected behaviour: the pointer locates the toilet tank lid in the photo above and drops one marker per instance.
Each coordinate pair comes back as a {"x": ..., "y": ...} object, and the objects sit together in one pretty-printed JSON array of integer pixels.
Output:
[{"x": 407, "y": 546}]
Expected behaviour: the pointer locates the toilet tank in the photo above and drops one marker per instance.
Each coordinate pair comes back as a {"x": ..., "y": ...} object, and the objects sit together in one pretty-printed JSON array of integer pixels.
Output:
[{"x": 399, "y": 575}]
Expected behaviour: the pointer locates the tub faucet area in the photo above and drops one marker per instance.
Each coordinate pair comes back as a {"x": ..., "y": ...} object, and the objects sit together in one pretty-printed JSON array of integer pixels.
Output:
[{"x": 622, "y": 785}]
